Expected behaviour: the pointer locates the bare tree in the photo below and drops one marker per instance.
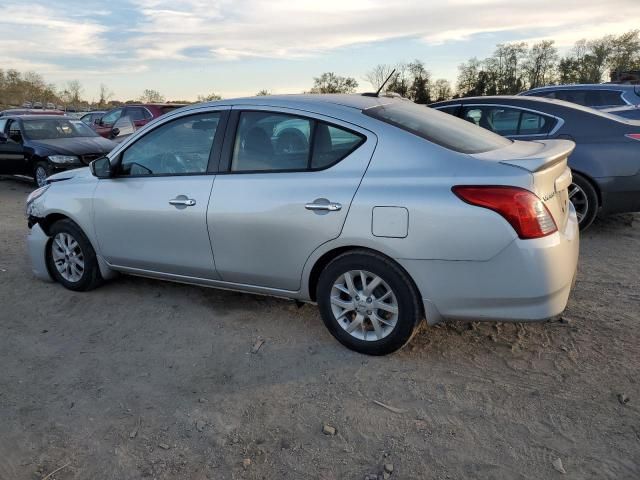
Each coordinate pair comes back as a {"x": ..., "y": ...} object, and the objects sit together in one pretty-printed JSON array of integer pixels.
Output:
[
  {"x": 540, "y": 63},
  {"x": 378, "y": 74},
  {"x": 105, "y": 95},
  {"x": 441, "y": 90},
  {"x": 263, "y": 93},
  {"x": 73, "y": 92}
]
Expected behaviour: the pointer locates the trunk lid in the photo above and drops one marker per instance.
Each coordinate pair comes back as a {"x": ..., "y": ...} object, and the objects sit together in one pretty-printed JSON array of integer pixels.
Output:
[{"x": 546, "y": 160}]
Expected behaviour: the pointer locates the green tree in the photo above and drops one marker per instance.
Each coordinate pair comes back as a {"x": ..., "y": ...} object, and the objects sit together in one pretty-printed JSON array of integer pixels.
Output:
[
  {"x": 329, "y": 82},
  {"x": 151, "y": 96},
  {"x": 212, "y": 97}
]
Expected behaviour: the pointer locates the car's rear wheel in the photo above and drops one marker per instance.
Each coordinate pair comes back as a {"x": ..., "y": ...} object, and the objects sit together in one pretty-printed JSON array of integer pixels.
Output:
[
  {"x": 584, "y": 198},
  {"x": 40, "y": 174},
  {"x": 71, "y": 258},
  {"x": 368, "y": 303}
]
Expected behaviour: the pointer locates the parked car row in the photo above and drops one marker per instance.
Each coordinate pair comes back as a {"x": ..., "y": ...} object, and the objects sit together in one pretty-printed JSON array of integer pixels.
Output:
[{"x": 38, "y": 143}]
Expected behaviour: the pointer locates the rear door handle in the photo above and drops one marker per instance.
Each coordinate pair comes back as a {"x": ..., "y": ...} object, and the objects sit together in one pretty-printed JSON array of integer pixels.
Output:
[
  {"x": 330, "y": 207},
  {"x": 185, "y": 202}
]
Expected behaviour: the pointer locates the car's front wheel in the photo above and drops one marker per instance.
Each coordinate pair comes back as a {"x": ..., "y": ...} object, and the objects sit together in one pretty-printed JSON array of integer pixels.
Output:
[
  {"x": 40, "y": 174},
  {"x": 368, "y": 303},
  {"x": 72, "y": 260}
]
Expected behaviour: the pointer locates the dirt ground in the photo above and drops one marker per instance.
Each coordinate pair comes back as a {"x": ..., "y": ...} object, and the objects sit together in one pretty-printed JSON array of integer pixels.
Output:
[{"x": 145, "y": 379}]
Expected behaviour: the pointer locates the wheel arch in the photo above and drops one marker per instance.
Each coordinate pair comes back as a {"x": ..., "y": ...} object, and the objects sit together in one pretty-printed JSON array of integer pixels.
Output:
[
  {"x": 324, "y": 260},
  {"x": 593, "y": 183}
]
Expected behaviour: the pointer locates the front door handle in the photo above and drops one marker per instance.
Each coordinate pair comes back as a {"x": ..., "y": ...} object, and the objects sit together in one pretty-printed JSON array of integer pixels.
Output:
[
  {"x": 182, "y": 201},
  {"x": 329, "y": 206}
]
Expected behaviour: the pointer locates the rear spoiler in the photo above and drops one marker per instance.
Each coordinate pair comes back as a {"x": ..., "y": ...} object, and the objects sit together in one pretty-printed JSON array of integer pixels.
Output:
[{"x": 553, "y": 152}]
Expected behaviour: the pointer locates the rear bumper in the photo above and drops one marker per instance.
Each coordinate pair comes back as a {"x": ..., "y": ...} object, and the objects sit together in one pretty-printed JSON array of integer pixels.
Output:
[
  {"x": 530, "y": 280},
  {"x": 37, "y": 247}
]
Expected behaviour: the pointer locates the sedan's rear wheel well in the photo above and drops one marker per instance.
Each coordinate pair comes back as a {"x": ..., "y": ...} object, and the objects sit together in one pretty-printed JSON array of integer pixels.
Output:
[
  {"x": 325, "y": 259},
  {"x": 593, "y": 183}
]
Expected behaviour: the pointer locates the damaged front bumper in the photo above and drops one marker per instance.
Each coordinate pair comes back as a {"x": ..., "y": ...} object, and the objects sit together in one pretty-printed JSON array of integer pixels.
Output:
[{"x": 37, "y": 242}]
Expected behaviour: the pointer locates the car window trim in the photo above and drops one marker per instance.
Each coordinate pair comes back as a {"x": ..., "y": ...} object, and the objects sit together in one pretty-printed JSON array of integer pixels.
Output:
[
  {"x": 214, "y": 153},
  {"x": 553, "y": 131},
  {"x": 232, "y": 129}
]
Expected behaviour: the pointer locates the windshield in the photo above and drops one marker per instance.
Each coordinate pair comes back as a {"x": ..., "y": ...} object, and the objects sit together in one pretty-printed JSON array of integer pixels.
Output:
[
  {"x": 50, "y": 128},
  {"x": 438, "y": 127}
]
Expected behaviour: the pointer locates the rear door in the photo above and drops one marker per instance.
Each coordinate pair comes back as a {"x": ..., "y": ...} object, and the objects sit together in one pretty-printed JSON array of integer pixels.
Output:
[
  {"x": 12, "y": 160},
  {"x": 285, "y": 186}
]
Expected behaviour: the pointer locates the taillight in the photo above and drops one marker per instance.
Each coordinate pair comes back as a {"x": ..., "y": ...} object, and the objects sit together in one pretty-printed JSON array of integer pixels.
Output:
[
  {"x": 633, "y": 136},
  {"x": 526, "y": 213}
]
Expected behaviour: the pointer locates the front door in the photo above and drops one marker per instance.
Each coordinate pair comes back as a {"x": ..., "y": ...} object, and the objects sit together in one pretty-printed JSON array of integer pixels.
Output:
[
  {"x": 11, "y": 152},
  {"x": 151, "y": 215},
  {"x": 286, "y": 189}
]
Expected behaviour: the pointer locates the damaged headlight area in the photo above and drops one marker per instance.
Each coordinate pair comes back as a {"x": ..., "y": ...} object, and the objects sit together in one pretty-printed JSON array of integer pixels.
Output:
[{"x": 33, "y": 196}]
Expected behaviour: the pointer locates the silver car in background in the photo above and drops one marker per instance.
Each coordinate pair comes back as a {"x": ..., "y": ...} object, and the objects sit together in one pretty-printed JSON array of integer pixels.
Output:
[{"x": 381, "y": 211}]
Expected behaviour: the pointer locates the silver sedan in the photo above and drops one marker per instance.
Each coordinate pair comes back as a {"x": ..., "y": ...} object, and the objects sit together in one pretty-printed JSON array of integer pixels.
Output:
[{"x": 382, "y": 212}]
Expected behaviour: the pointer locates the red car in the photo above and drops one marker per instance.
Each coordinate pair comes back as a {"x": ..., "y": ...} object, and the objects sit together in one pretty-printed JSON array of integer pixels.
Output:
[{"x": 140, "y": 114}]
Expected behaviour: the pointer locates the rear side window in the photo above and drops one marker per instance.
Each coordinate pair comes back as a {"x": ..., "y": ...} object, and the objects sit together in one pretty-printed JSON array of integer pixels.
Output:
[
  {"x": 450, "y": 109},
  {"x": 508, "y": 121},
  {"x": 169, "y": 108},
  {"x": 442, "y": 129},
  {"x": 277, "y": 142},
  {"x": 591, "y": 98},
  {"x": 138, "y": 113}
]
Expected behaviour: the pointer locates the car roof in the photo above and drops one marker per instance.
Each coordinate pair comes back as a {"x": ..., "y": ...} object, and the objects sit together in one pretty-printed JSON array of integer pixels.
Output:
[
  {"x": 589, "y": 86},
  {"x": 354, "y": 101},
  {"x": 39, "y": 117}
]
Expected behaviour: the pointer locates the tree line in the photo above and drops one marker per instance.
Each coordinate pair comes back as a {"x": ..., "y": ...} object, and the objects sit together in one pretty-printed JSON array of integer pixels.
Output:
[{"x": 512, "y": 68}]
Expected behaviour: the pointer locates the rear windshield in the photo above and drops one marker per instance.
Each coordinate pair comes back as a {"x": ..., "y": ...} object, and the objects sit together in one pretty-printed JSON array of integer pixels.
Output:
[{"x": 438, "y": 127}]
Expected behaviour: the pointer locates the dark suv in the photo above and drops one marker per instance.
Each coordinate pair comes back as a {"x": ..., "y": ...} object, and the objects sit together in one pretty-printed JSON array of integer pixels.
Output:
[
  {"x": 140, "y": 114},
  {"x": 597, "y": 95}
]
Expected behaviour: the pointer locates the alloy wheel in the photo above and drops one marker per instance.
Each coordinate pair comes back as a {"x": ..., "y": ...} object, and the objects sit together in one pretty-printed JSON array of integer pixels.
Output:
[
  {"x": 41, "y": 176},
  {"x": 68, "y": 257},
  {"x": 364, "y": 305},
  {"x": 579, "y": 200}
]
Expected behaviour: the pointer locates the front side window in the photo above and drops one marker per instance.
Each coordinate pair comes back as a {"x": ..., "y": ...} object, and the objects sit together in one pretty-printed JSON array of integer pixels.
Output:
[
  {"x": 181, "y": 146},
  {"x": 3, "y": 123},
  {"x": 437, "y": 127},
  {"x": 111, "y": 117},
  {"x": 267, "y": 141},
  {"x": 450, "y": 109}
]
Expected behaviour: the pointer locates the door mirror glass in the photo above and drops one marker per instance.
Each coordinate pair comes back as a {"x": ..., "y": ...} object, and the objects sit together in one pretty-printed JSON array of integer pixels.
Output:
[{"x": 101, "y": 167}]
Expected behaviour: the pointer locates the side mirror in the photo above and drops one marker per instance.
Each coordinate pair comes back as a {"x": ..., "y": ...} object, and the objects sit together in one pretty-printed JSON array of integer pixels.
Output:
[
  {"x": 115, "y": 132},
  {"x": 3, "y": 138},
  {"x": 101, "y": 167}
]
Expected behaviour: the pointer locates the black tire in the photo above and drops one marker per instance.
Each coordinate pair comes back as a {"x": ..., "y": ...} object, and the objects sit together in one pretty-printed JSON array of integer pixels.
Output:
[
  {"x": 40, "y": 165},
  {"x": 90, "y": 277},
  {"x": 585, "y": 201},
  {"x": 408, "y": 301}
]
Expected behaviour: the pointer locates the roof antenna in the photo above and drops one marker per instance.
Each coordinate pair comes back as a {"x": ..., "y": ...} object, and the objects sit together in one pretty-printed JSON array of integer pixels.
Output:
[{"x": 377, "y": 94}]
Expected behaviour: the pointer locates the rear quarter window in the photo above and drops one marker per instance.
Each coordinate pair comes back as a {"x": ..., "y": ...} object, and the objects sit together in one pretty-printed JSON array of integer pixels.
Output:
[{"x": 437, "y": 127}]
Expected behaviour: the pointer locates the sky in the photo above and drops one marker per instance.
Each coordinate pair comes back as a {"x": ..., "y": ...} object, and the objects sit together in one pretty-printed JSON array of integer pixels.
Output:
[{"x": 186, "y": 48}]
